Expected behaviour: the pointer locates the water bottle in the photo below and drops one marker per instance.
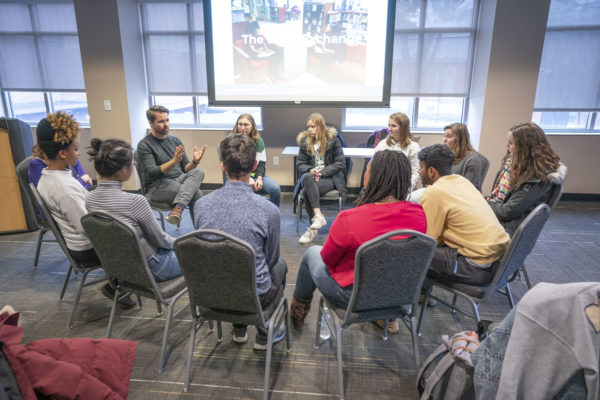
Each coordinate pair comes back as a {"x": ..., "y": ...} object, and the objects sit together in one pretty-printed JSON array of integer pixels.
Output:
[{"x": 324, "y": 333}]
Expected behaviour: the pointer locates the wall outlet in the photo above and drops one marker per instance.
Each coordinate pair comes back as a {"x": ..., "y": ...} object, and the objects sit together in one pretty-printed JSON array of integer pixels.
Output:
[{"x": 275, "y": 160}]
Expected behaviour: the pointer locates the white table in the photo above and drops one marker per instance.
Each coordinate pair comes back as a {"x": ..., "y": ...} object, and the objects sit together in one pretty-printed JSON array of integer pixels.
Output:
[{"x": 361, "y": 152}]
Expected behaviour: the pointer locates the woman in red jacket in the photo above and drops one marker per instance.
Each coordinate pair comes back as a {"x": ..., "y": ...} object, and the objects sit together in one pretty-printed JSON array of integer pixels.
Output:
[{"x": 381, "y": 209}]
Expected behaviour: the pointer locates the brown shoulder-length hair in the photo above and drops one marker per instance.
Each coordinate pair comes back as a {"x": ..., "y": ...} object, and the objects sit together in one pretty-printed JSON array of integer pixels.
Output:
[
  {"x": 253, "y": 132},
  {"x": 463, "y": 142},
  {"x": 321, "y": 136},
  {"x": 533, "y": 156},
  {"x": 405, "y": 136}
]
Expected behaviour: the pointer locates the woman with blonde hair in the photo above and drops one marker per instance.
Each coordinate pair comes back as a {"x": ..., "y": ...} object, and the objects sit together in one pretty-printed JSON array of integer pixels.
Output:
[
  {"x": 400, "y": 139},
  {"x": 260, "y": 183},
  {"x": 467, "y": 162},
  {"x": 320, "y": 168},
  {"x": 533, "y": 168}
]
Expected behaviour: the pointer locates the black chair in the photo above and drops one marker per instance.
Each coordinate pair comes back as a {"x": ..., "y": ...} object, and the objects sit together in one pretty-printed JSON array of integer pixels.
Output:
[
  {"x": 222, "y": 287},
  {"x": 388, "y": 276},
  {"x": 485, "y": 165},
  {"x": 75, "y": 266},
  {"x": 521, "y": 245},
  {"x": 23, "y": 177},
  {"x": 119, "y": 251}
]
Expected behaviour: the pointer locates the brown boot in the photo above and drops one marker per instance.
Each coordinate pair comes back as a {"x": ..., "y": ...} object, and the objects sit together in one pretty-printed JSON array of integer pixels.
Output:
[{"x": 298, "y": 311}]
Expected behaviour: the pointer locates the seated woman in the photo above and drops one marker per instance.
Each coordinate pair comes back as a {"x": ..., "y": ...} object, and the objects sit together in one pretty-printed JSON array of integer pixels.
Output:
[
  {"x": 113, "y": 161},
  {"x": 330, "y": 268},
  {"x": 400, "y": 139},
  {"x": 320, "y": 168},
  {"x": 467, "y": 162},
  {"x": 58, "y": 141},
  {"x": 38, "y": 163},
  {"x": 530, "y": 169},
  {"x": 260, "y": 183}
]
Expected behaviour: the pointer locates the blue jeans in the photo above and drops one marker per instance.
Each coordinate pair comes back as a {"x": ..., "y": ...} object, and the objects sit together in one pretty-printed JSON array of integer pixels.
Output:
[
  {"x": 164, "y": 265},
  {"x": 314, "y": 274},
  {"x": 271, "y": 188}
]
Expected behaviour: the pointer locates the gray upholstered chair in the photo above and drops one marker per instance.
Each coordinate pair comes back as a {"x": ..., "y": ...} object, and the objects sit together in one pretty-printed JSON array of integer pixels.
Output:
[
  {"x": 521, "y": 245},
  {"x": 388, "y": 275},
  {"x": 220, "y": 273},
  {"x": 485, "y": 165},
  {"x": 23, "y": 177},
  {"x": 75, "y": 266},
  {"x": 119, "y": 250}
]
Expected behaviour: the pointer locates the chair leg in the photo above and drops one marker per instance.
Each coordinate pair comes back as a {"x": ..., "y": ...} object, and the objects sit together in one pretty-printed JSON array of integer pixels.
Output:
[
  {"x": 453, "y": 310},
  {"x": 509, "y": 296},
  {"x": 413, "y": 332},
  {"x": 288, "y": 331},
  {"x": 475, "y": 308},
  {"x": 139, "y": 299},
  {"x": 163, "y": 350},
  {"x": 268, "y": 360},
  {"x": 77, "y": 297},
  {"x": 338, "y": 342},
  {"x": 527, "y": 281},
  {"x": 319, "y": 320},
  {"x": 299, "y": 213},
  {"x": 423, "y": 308},
  {"x": 111, "y": 319},
  {"x": 211, "y": 326},
  {"x": 219, "y": 331},
  {"x": 64, "y": 288},
  {"x": 158, "y": 307},
  {"x": 38, "y": 247},
  {"x": 188, "y": 375}
]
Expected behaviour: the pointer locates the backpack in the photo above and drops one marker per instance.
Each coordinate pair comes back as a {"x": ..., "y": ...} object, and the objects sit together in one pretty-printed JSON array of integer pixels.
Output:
[{"x": 452, "y": 377}]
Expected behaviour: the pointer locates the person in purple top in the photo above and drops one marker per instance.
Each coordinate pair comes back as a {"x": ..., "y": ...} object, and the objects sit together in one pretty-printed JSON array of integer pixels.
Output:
[{"x": 37, "y": 164}]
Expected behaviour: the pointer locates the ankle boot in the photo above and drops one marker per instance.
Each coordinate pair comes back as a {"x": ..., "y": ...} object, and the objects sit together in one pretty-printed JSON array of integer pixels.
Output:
[{"x": 298, "y": 311}]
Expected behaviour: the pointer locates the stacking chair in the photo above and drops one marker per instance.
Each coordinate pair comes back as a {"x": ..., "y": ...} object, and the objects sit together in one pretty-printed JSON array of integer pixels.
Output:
[
  {"x": 75, "y": 267},
  {"x": 388, "y": 275},
  {"x": 23, "y": 177},
  {"x": 221, "y": 276},
  {"x": 521, "y": 245},
  {"x": 119, "y": 251}
]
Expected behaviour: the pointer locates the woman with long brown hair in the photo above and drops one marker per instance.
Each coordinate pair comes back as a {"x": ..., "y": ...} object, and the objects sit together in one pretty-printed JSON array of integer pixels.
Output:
[
  {"x": 400, "y": 139},
  {"x": 467, "y": 162},
  {"x": 320, "y": 168},
  {"x": 533, "y": 168}
]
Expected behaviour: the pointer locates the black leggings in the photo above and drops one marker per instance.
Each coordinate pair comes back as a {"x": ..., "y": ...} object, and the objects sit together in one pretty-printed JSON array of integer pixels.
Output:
[{"x": 314, "y": 189}]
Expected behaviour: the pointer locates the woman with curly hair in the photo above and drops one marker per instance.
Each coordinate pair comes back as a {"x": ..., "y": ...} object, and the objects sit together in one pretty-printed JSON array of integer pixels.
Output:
[
  {"x": 530, "y": 168},
  {"x": 400, "y": 139},
  {"x": 58, "y": 140},
  {"x": 467, "y": 162},
  {"x": 260, "y": 183},
  {"x": 320, "y": 168}
]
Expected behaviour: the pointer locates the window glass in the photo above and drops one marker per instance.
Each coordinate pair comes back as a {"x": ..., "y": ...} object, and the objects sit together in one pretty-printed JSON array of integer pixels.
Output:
[
  {"x": 574, "y": 13},
  {"x": 377, "y": 118},
  {"x": 28, "y": 106},
  {"x": 446, "y": 63},
  {"x": 562, "y": 120},
  {"x": 56, "y": 17},
  {"x": 437, "y": 112},
  {"x": 449, "y": 14},
  {"x": 72, "y": 103},
  {"x": 15, "y": 18},
  {"x": 408, "y": 13},
  {"x": 224, "y": 117},
  {"x": 25, "y": 74},
  {"x": 169, "y": 64},
  {"x": 406, "y": 47},
  {"x": 62, "y": 62},
  {"x": 166, "y": 17},
  {"x": 181, "y": 108}
]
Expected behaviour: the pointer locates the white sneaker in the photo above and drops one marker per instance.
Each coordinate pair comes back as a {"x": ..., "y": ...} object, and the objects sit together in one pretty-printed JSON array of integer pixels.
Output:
[
  {"x": 318, "y": 221},
  {"x": 308, "y": 236}
]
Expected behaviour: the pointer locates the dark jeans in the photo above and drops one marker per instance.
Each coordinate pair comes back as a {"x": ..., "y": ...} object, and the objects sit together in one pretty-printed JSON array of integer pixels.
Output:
[
  {"x": 314, "y": 274},
  {"x": 314, "y": 189},
  {"x": 448, "y": 265}
]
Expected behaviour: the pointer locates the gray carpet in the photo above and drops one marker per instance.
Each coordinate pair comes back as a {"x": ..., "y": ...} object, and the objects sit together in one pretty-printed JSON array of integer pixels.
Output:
[{"x": 568, "y": 251}]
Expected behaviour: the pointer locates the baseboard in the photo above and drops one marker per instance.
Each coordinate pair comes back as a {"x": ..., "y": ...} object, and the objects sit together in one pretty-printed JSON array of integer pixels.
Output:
[{"x": 580, "y": 197}]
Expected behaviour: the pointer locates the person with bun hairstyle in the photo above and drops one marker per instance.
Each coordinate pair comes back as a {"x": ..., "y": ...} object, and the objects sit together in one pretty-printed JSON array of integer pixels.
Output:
[
  {"x": 261, "y": 184},
  {"x": 533, "y": 168},
  {"x": 467, "y": 162},
  {"x": 320, "y": 168},
  {"x": 400, "y": 139},
  {"x": 113, "y": 161},
  {"x": 58, "y": 140}
]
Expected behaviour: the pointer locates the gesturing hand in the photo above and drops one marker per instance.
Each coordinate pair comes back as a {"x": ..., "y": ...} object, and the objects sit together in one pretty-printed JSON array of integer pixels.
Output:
[
  {"x": 198, "y": 154},
  {"x": 179, "y": 152}
]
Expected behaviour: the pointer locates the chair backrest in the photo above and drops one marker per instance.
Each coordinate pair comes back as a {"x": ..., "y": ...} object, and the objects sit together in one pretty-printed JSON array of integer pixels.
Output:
[
  {"x": 51, "y": 223},
  {"x": 119, "y": 251},
  {"x": 388, "y": 274},
  {"x": 220, "y": 273},
  {"x": 136, "y": 159},
  {"x": 522, "y": 243},
  {"x": 555, "y": 194},
  {"x": 485, "y": 165},
  {"x": 22, "y": 170}
]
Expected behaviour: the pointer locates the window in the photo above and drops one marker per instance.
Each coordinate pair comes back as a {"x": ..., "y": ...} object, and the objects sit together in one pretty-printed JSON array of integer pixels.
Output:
[
  {"x": 434, "y": 44},
  {"x": 173, "y": 33},
  {"x": 568, "y": 89},
  {"x": 40, "y": 62}
]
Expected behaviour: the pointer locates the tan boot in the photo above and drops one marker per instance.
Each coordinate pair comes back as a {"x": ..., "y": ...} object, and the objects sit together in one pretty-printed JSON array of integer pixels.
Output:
[{"x": 298, "y": 311}]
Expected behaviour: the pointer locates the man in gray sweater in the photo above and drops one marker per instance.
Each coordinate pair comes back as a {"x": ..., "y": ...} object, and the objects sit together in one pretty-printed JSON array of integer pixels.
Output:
[
  {"x": 168, "y": 175},
  {"x": 236, "y": 210}
]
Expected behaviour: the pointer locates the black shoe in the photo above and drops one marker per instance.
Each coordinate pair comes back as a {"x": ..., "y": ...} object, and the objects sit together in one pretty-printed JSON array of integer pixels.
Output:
[
  {"x": 125, "y": 301},
  {"x": 260, "y": 342}
]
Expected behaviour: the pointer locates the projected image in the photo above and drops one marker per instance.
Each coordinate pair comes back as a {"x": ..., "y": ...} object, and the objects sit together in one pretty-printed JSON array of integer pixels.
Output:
[{"x": 298, "y": 42}]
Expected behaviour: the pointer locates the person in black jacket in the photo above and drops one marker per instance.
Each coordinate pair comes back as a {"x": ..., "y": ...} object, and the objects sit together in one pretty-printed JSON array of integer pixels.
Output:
[
  {"x": 320, "y": 167},
  {"x": 533, "y": 168}
]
